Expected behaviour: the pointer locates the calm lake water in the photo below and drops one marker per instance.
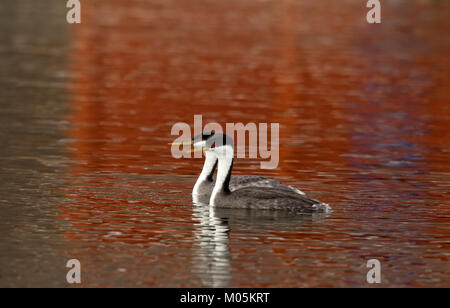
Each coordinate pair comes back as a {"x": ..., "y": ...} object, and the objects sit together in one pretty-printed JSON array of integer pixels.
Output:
[{"x": 87, "y": 110}]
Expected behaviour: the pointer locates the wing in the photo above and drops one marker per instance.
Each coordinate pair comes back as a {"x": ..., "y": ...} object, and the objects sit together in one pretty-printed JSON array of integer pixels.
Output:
[
  {"x": 270, "y": 198},
  {"x": 242, "y": 181}
]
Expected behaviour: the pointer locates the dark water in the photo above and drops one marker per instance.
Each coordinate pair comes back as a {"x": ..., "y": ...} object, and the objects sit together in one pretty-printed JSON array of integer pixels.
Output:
[{"x": 86, "y": 114}]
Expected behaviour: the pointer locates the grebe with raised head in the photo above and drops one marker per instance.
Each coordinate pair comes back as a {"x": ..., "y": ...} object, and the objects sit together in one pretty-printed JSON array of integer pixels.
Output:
[{"x": 205, "y": 183}]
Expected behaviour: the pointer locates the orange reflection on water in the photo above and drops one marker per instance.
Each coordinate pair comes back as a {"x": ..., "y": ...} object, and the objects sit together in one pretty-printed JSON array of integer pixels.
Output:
[{"x": 362, "y": 114}]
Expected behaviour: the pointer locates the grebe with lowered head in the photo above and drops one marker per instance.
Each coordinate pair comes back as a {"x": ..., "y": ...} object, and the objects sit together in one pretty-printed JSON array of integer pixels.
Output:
[
  {"x": 205, "y": 182},
  {"x": 252, "y": 197}
]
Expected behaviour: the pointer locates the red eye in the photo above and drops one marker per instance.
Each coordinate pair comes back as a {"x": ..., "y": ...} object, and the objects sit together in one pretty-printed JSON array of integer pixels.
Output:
[{"x": 213, "y": 145}]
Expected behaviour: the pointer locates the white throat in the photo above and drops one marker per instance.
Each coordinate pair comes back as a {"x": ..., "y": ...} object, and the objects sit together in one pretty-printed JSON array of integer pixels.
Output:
[
  {"x": 225, "y": 155},
  {"x": 208, "y": 166}
]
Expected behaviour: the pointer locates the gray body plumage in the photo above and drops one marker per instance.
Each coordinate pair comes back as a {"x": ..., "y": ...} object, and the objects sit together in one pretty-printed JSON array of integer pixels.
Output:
[
  {"x": 268, "y": 198},
  {"x": 242, "y": 181}
]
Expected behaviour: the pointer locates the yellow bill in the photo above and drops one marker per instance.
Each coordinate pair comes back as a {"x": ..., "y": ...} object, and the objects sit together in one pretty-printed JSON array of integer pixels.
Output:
[{"x": 181, "y": 143}]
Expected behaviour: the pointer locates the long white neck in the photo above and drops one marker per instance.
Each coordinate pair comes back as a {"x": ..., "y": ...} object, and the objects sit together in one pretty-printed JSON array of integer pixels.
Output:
[
  {"x": 207, "y": 171},
  {"x": 225, "y": 155}
]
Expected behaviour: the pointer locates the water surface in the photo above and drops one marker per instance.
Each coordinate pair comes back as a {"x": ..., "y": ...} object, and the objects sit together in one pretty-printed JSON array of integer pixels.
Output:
[{"x": 87, "y": 112}]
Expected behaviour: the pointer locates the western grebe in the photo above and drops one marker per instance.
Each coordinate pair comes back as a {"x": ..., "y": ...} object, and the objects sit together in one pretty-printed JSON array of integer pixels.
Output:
[
  {"x": 205, "y": 183},
  {"x": 251, "y": 197}
]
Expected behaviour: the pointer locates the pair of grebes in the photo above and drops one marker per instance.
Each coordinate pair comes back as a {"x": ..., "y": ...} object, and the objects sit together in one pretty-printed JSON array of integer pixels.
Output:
[{"x": 242, "y": 191}]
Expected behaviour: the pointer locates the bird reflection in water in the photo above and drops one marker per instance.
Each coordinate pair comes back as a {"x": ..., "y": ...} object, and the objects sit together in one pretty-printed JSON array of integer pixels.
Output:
[{"x": 211, "y": 260}]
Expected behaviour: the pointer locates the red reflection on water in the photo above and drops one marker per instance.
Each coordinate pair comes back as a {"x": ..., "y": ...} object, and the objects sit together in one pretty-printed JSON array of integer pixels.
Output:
[{"x": 360, "y": 107}]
